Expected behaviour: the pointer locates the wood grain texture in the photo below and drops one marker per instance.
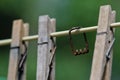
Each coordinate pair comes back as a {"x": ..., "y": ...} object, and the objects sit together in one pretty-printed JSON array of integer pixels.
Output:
[
  {"x": 52, "y": 29},
  {"x": 42, "y": 49},
  {"x": 25, "y": 33},
  {"x": 102, "y": 43},
  {"x": 14, "y": 53},
  {"x": 46, "y": 26},
  {"x": 108, "y": 68}
]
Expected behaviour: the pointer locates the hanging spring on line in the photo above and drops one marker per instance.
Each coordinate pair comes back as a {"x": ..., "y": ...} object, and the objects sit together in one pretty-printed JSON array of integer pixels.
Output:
[{"x": 78, "y": 51}]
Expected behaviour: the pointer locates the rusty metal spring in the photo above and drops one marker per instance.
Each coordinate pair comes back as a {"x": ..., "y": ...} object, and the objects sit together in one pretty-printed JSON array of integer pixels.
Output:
[{"x": 78, "y": 51}]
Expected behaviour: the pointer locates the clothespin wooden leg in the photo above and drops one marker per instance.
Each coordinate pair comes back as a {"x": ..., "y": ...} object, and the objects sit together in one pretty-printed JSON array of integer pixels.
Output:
[
  {"x": 103, "y": 39},
  {"x": 108, "y": 69},
  {"x": 25, "y": 33},
  {"x": 15, "y": 49},
  {"x": 51, "y": 62},
  {"x": 44, "y": 46}
]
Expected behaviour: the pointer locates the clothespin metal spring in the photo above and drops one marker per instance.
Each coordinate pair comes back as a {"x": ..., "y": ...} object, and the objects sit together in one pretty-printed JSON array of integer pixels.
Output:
[
  {"x": 22, "y": 61},
  {"x": 109, "y": 49}
]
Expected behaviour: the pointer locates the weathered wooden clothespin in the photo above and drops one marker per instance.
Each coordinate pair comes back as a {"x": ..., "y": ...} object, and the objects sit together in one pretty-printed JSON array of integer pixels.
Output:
[
  {"x": 101, "y": 66},
  {"x": 46, "y": 49},
  {"x": 16, "y": 50}
]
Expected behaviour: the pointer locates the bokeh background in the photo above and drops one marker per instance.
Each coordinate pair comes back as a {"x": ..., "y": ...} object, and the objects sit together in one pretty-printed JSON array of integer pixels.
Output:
[{"x": 68, "y": 13}]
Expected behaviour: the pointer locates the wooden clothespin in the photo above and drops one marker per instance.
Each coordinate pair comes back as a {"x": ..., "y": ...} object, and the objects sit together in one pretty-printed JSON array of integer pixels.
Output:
[
  {"x": 101, "y": 67},
  {"x": 19, "y": 30},
  {"x": 45, "y": 44}
]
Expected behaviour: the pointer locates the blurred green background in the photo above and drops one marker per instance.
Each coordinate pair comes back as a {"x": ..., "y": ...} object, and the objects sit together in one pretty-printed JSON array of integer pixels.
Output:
[{"x": 68, "y": 13}]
